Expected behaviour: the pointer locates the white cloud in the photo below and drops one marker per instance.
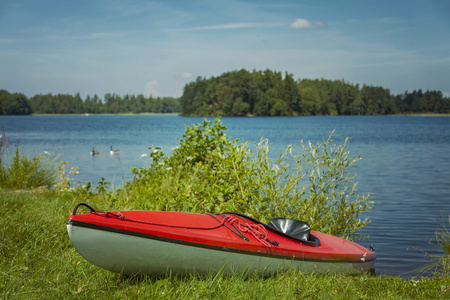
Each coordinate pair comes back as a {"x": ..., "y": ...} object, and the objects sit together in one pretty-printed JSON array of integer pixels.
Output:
[
  {"x": 305, "y": 24},
  {"x": 186, "y": 75},
  {"x": 151, "y": 88}
]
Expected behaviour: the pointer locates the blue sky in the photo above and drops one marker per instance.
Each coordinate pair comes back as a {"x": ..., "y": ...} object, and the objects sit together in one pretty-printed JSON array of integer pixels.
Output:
[{"x": 156, "y": 47}]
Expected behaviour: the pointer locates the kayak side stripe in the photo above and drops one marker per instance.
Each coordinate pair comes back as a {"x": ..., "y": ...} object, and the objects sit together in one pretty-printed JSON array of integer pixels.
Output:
[{"x": 212, "y": 247}]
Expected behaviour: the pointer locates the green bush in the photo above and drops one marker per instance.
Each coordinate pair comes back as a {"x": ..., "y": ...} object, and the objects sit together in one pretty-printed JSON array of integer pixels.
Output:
[
  {"x": 315, "y": 186},
  {"x": 210, "y": 173}
]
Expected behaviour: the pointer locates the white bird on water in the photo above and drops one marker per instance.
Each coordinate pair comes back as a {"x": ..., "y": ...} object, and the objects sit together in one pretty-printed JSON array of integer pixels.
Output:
[{"x": 112, "y": 152}]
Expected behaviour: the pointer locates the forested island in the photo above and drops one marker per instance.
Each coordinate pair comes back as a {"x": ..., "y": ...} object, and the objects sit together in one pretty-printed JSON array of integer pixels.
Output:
[
  {"x": 242, "y": 93},
  {"x": 269, "y": 93}
]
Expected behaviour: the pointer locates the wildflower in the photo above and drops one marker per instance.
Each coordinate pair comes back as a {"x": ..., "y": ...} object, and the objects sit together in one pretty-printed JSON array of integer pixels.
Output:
[
  {"x": 414, "y": 282},
  {"x": 363, "y": 259},
  {"x": 143, "y": 155},
  {"x": 189, "y": 158}
]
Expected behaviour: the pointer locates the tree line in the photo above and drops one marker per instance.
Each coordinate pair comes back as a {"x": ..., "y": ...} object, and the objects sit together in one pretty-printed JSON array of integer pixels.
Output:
[
  {"x": 14, "y": 104},
  {"x": 19, "y": 104},
  {"x": 269, "y": 93},
  {"x": 242, "y": 93}
]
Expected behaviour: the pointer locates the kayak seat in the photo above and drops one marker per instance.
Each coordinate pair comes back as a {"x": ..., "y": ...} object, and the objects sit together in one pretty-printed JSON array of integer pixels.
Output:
[{"x": 299, "y": 230}]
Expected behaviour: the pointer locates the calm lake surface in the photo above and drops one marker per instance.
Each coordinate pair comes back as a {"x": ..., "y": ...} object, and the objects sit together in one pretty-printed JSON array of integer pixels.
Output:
[{"x": 405, "y": 163}]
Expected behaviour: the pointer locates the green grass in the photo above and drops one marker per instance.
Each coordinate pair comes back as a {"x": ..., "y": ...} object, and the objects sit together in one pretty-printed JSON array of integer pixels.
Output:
[{"x": 38, "y": 261}]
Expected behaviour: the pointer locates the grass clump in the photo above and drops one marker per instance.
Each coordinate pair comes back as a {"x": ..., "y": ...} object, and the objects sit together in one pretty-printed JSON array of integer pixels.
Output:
[
  {"x": 20, "y": 172},
  {"x": 443, "y": 240},
  {"x": 26, "y": 173},
  {"x": 441, "y": 264},
  {"x": 42, "y": 171},
  {"x": 209, "y": 173}
]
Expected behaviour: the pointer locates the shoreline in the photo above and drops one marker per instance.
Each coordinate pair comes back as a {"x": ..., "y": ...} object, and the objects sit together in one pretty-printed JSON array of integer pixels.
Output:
[
  {"x": 178, "y": 114},
  {"x": 250, "y": 116}
]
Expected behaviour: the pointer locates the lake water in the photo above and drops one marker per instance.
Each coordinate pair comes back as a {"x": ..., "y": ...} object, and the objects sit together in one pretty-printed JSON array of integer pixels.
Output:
[{"x": 405, "y": 163}]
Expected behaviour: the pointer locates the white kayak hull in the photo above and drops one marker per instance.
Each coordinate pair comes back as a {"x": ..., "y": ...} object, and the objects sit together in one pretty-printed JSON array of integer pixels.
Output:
[{"x": 131, "y": 254}]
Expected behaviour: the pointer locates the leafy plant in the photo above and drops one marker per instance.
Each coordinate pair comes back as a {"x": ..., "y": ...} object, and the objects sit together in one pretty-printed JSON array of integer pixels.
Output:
[
  {"x": 211, "y": 173},
  {"x": 316, "y": 186},
  {"x": 102, "y": 187},
  {"x": 64, "y": 181}
]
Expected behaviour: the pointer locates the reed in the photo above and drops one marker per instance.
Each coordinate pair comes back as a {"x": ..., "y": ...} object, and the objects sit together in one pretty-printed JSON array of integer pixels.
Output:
[{"x": 441, "y": 263}]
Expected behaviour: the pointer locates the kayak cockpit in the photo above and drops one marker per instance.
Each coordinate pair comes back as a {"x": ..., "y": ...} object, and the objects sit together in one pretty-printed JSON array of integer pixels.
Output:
[{"x": 299, "y": 231}]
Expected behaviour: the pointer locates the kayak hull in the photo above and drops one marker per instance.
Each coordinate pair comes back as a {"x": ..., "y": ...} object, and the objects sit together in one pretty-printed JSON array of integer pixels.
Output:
[{"x": 119, "y": 247}]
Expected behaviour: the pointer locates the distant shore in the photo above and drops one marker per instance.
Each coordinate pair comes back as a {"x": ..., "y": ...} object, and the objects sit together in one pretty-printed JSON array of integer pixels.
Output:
[
  {"x": 107, "y": 114},
  {"x": 160, "y": 114},
  {"x": 428, "y": 115}
]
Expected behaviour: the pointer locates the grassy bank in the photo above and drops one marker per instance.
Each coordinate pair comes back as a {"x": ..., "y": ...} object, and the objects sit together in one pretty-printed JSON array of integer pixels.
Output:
[{"x": 38, "y": 261}]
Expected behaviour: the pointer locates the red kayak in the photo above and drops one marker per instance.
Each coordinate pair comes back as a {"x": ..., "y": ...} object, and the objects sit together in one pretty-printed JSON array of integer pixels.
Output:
[{"x": 154, "y": 242}]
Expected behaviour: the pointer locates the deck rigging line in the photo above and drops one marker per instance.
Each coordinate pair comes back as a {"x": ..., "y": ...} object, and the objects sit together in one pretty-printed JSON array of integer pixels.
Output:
[{"x": 240, "y": 225}]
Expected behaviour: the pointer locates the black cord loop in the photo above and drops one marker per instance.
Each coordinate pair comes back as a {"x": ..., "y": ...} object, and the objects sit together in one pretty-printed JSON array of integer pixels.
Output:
[{"x": 82, "y": 204}]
